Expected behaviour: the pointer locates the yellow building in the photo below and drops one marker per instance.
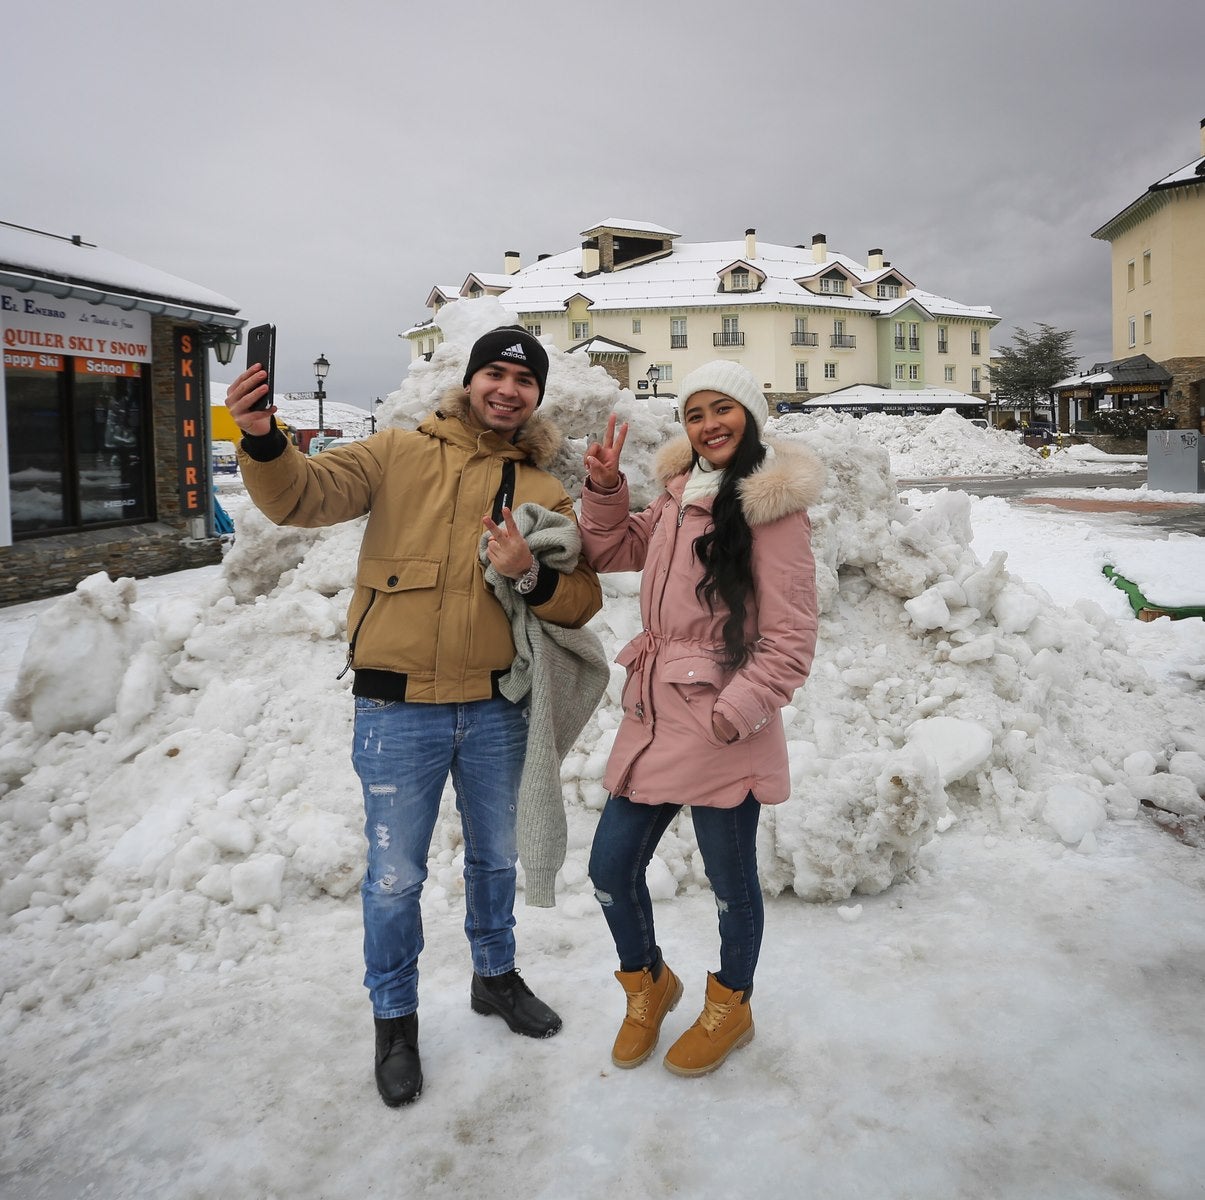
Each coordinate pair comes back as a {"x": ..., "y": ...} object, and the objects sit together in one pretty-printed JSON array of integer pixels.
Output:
[
  {"x": 1158, "y": 244},
  {"x": 805, "y": 320}
]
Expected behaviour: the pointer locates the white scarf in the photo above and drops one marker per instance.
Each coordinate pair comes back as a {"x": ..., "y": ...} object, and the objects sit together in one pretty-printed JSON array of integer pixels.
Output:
[{"x": 705, "y": 479}]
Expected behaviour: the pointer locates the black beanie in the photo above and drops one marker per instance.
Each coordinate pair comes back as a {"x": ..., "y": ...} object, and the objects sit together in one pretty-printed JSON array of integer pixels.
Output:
[{"x": 509, "y": 343}]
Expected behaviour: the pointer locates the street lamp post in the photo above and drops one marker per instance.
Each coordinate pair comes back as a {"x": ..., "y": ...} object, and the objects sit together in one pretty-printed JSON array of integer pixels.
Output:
[
  {"x": 321, "y": 366},
  {"x": 654, "y": 374}
]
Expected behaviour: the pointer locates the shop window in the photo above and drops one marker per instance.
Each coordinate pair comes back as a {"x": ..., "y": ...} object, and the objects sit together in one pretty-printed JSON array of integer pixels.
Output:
[{"x": 79, "y": 443}]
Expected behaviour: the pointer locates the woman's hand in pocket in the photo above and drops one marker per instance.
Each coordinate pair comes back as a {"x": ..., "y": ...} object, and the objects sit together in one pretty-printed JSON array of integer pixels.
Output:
[{"x": 723, "y": 729}]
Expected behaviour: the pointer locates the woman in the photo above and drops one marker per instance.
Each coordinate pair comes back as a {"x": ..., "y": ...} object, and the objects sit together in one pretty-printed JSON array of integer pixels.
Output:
[{"x": 728, "y": 608}]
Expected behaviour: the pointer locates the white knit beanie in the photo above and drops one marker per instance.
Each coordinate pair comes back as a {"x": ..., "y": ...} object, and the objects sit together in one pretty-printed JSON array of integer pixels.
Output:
[{"x": 730, "y": 379}]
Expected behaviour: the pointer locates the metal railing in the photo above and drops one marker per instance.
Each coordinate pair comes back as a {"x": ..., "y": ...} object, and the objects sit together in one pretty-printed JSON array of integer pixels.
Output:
[
  {"x": 943, "y": 347},
  {"x": 677, "y": 341},
  {"x": 843, "y": 341},
  {"x": 805, "y": 339},
  {"x": 899, "y": 343},
  {"x": 727, "y": 339}
]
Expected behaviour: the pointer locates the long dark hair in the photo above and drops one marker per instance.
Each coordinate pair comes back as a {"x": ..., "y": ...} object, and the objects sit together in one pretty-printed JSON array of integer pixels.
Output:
[{"x": 726, "y": 549}]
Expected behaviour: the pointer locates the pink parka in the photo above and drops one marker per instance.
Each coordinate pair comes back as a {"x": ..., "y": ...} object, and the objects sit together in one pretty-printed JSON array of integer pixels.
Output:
[{"x": 665, "y": 751}]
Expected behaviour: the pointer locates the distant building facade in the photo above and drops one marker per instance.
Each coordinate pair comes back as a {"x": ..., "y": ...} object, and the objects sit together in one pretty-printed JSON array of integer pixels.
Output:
[
  {"x": 805, "y": 320},
  {"x": 1158, "y": 280},
  {"x": 104, "y": 440}
]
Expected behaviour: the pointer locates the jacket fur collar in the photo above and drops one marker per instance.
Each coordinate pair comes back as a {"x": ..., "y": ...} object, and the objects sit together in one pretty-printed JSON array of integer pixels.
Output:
[
  {"x": 539, "y": 439},
  {"x": 790, "y": 482}
]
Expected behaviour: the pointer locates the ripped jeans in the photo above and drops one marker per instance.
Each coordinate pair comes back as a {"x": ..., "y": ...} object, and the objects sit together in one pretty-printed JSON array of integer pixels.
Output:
[
  {"x": 624, "y": 842},
  {"x": 403, "y": 754}
]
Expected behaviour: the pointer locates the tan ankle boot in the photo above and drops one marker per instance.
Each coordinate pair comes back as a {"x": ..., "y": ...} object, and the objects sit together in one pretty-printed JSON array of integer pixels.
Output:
[
  {"x": 724, "y": 1025},
  {"x": 649, "y": 1000}
]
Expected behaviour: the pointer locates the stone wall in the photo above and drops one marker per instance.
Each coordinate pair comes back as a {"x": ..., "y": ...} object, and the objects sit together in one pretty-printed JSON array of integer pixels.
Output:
[{"x": 1185, "y": 396}]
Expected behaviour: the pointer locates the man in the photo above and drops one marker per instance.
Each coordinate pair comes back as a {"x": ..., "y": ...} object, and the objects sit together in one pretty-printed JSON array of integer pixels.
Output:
[{"x": 429, "y": 642}]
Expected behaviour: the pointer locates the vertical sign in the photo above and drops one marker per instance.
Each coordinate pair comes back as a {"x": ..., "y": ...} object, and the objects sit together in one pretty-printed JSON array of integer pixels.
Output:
[{"x": 188, "y": 368}]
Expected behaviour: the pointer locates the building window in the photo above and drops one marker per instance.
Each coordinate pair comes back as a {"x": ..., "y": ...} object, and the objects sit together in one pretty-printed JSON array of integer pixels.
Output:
[
  {"x": 1133, "y": 332},
  {"x": 636, "y": 325},
  {"x": 974, "y": 379},
  {"x": 913, "y": 336},
  {"x": 974, "y": 341},
  {"x": 1130, "y": 276},
  {"x": 740, "y": 280},
  {"x": 899, "y": 335},
  {"x": 834, "y": 284},
  {"x": 677, "y": 333},
  {"x": 914, "y": 372},
  {"x": 830, "y": 370},
  {"x": 731, "y": 335},
  {"x": 665, "y": 372},
  {"x": 888, "y": 291},
  {"x": 840, "y": 339},
  {"x": 943, "y": 339},
  {"x": 79, "y": 442},
  {"x": 581, "y": 330},
  {"x": 801, "y": 377},
  {"x": 899, "y": 371},
  {"x": 1146, "y": 327},
  {"x": 801, "y": 337},
  {"x": 949, "y": 374},
  {"x": 1146, "y": 267},
  {"x": 533, "y": 329}
]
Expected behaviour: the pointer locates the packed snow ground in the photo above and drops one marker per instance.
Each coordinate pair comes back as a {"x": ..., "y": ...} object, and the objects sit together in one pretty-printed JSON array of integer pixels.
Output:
[{"x": 982, "y": 965}]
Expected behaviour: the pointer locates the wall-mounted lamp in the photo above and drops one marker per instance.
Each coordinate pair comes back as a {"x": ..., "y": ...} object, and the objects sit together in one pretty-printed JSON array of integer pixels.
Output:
[{"x": 222, "y": 341}]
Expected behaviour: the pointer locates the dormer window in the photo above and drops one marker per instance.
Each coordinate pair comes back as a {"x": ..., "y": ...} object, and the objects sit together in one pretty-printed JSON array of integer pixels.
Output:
[
  {"x": 834, "y": 284},
  {"x": 740, "y": 280},
  {"x": 888, "y": 291}
]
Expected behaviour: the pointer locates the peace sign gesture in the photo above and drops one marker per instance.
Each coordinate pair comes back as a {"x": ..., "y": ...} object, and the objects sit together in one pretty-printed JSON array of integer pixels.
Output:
[{"x": 602, "y": 459}]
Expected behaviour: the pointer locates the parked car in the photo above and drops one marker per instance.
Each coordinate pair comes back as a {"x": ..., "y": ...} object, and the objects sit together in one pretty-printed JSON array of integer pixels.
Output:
[{"x": 225, "y": 460}]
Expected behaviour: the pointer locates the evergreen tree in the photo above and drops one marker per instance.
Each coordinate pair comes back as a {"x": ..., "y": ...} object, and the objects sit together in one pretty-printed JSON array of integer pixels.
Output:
[{"x": 1032, "y": 365}]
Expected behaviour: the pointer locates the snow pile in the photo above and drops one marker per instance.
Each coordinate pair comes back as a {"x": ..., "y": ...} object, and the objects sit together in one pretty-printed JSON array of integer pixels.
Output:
[
  {"x": 201, "y": 788},
  {"x": 945, "y": 445}
]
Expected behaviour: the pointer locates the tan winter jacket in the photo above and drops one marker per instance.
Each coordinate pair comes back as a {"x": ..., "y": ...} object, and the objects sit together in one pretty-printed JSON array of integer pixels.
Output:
[{"x": 421, "y": 606}]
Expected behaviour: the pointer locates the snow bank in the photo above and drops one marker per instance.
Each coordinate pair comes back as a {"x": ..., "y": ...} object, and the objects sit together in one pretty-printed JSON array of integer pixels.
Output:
[{"x": 186, "y": 780}]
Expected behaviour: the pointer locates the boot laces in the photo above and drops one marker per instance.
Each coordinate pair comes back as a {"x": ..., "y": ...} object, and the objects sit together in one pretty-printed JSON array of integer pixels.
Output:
[
  {"x": 715, "y": 1013},
  {"x": 638, "y": 1002}
]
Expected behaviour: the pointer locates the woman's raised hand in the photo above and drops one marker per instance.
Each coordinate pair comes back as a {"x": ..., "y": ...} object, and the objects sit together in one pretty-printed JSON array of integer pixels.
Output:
[{"x": 602, "y": 458}]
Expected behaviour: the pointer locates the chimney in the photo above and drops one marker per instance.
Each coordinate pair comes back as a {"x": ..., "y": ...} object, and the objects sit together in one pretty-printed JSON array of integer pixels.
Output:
[
  {"x": 542, "y": 257},
  {"x": 819, "y": 248},
  {"x": 510, "y": 262},
  {"x": 1203, "y": 138},
  {"x": 750, "y": 244},
  {"x": 590, "y": 256},
  {"x": 874, "y": 260}
]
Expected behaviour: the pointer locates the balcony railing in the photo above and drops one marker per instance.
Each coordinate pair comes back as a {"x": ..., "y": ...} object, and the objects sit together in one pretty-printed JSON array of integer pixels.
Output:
[
  {"x": 728, "y": 338},
  {"x": 914, "y": 345},
  {"x": 843, "y": 341},
  {"x": 677, "y": 341},
  {"x": 943, "y": 347},
  {"x": 805, "y": 339},
  {"x": 974, "y": 347},
  {"x": 899, "y": 343}
]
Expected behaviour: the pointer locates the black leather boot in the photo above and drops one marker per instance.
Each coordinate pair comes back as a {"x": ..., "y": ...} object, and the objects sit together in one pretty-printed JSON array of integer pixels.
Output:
[
  {"x": 509, "y": 997},
  {"x": 398, "y": 1069}
]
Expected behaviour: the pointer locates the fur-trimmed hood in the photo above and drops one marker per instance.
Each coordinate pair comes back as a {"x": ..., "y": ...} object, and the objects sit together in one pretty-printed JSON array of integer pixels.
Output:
[
  {"x": 539, "y": 439},
  {"x": 790, "y": 481}
]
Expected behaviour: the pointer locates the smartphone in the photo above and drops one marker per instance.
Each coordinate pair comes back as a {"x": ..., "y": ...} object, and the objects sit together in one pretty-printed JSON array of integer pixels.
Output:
[{"x": 261, "y": 348}]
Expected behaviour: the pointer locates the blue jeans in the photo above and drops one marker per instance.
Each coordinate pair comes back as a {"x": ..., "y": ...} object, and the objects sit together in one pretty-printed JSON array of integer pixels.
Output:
[
  {"x": 403, "y": 754},
  {"x": 624, "y": 842}
]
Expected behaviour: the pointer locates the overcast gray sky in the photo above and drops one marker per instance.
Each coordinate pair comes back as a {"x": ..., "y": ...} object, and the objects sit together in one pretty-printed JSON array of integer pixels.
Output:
[{"x": 325, "y": 164}]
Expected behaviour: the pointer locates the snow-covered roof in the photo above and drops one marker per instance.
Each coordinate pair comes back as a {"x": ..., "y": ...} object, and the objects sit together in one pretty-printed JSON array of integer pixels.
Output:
[
  {"x": 634, "y": 226},
  {"x": 860, "y": 394},
  {"x": 29, "y": 254},
  {"x": 1192, "y": 172},
  {"x": 687, "y": 278},
  {"x": 602, "y": 345}
]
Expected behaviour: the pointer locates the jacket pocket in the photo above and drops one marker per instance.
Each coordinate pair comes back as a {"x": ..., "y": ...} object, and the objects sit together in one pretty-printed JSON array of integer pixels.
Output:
[
  {"x": 697, "y": 679},
  {"x": 399, "y": 574}
]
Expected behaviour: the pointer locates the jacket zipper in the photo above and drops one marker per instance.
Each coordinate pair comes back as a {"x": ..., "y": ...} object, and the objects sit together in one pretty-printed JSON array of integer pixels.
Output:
[{"x": 351, "y": 645}]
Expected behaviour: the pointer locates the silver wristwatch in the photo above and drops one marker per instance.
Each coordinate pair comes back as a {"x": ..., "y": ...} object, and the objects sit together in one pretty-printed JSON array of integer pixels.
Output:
[{"x": 527, "y": 581}]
